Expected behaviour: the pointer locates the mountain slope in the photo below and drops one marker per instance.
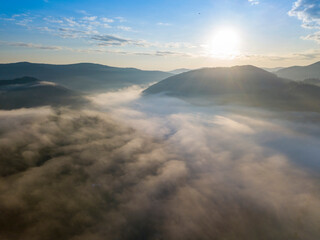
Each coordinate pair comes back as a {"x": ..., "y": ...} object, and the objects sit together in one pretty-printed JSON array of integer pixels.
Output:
[
  {"x": 208, "y": 81},
  {"x": 85, "y": 77},
  {"x": 30, "y": 92},
  {"x": 242, "y": 85},
  {"x": 312, "y": 81},
  {"x": 299, "y": 73}
]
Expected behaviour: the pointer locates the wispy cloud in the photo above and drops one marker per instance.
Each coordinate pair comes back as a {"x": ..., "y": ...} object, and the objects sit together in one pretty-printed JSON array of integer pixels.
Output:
[
  {"x": 314, "y": 36},
  {"x": 164, "y": 54},
  {"x": 84, "y": 12},
  {"x": 308, "y": 11},
  {"x": 45, "y": 29},
  {"x": 71, "y": 21},
  {"x": 52, "y": 20},
  {"x": 92, "y": 18},
  {"x": 94, "y": 30},
  {"x": 107, "y": 20},
  {"x": 254, "y": 2},
  {"x": 125, "y": 28},
  {"x": 163, "y": 24},
  {"x": 72, "y": 33},
  {"x": 85, "y": 24},
  {"x": 19, "y": 19},
  {"x": 112, "y": 40},
  {"x": 24, "y": 22},
  {"x": 303, "y": 55},
  {"x": 31, "y": 45},
  {"x": 121, "y": 19}
]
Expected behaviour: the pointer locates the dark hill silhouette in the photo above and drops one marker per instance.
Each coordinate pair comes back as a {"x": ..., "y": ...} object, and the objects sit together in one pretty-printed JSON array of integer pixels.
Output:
[
  {"x": 299, "y": 73},
  {"x": 86, "y": 77},
  {"x": 30, "y": 92},
  {"x": 18, "y": 81},
  {"x": 210, "y": 81},
  {"x": 243, "y": 85}
]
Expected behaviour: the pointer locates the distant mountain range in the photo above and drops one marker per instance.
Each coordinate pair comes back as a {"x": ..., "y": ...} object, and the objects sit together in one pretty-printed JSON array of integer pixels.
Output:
[
  {"x": 85, "y": 77},
  {"x": 273, "y": 69},
  {"x": 300, "y": 73},
  {"x": 180, "y": 70},
  {"x": 297, "y": 73},
  {"x": 242, "y": 85},
  {"x": 30, "y": 92},
  {"x": 183, "y": 70}
]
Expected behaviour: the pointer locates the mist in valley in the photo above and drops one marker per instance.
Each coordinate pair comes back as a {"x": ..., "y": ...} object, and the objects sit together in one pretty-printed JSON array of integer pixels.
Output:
[{"x": 156, "y": 167}]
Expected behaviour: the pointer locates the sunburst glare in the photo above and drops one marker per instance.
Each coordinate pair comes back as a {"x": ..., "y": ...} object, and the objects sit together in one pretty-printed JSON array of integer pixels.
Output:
[{"x": 224, "y": 44}]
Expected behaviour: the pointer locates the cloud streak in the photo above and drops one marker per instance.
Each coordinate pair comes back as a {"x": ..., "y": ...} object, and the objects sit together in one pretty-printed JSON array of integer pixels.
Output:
[{"x": 31, "y": 45}]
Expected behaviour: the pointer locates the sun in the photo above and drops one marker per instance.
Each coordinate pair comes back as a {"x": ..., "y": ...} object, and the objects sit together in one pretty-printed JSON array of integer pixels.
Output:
[{"x": 224, "y": 43}]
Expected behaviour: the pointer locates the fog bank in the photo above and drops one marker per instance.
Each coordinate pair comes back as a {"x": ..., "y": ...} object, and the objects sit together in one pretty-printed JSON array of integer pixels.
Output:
[{"x": 157, "y": 168}]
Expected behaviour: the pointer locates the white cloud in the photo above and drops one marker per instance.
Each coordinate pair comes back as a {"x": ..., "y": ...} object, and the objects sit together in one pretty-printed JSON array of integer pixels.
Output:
[
  {"x": 308, "y": 11},
  {"x": 24, "y": 22},
  {"x": 107, "y": 20},
  {"x": 164, "y": 24},
  {"x": 124, "y": 28},
  {"x": 254, "y": 2},
  {"x": 45, "y": 29},
  {"x": 121, "y": 19},
  {"x": 314, "y": 36},
  {"x": 52, "y": 20},
  {"x": 84, "y": 12},
  {"x": 71, "y": 21},
  {"x": 92, "y": 18},
  {"x": 106, "y": 25}
]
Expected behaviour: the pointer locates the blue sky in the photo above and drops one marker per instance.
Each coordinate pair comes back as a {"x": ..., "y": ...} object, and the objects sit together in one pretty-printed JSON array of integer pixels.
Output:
[{"x": 164, "y": 35}]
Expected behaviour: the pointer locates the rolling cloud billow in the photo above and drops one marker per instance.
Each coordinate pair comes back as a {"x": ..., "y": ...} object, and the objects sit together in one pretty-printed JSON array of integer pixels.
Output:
[{"x": 206, "y": 174}]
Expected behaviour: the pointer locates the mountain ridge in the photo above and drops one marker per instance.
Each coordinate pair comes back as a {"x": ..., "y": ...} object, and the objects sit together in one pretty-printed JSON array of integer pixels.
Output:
[
  {"x": 29, "y": 92},
  {"x": 241, "y": 85},
  {"x": 300, "y": 73},
  {"x": 85, "y": 77}
]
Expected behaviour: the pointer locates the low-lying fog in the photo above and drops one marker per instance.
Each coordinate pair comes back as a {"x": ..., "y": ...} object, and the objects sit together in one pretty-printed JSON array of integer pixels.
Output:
[{"x": 156, "y": 167}]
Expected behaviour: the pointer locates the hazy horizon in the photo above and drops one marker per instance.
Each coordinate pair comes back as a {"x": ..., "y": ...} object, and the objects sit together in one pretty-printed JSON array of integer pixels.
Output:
[
  {"x": 155, "y": 35},
  {"x": 168, "y": 70}
]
